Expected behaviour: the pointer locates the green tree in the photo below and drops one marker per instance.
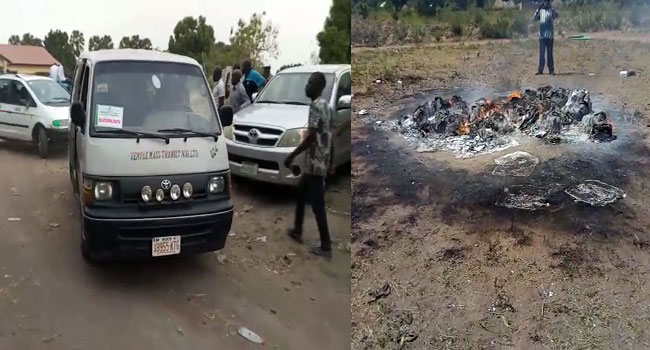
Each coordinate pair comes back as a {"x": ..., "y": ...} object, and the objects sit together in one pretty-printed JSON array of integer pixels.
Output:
[
  {"x": 134, "y": 42},
  {"x": 58, "y": 44},
  {"x": 14, "y": 40},
  {"x": 334, "y": 40},
  {"x": 256, "y": 40},
  {"x": 100, "y": 43},
  {"x": 193, "y": 38},
  {"x": 77, "y": 42},
  {"x": 27, "y": 39}
]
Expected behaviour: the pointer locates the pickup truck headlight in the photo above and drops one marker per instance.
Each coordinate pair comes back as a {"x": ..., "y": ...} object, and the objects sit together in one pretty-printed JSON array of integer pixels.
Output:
[
  {"x": 227, "y": 132},
  {"x": 292, "y": 137}
]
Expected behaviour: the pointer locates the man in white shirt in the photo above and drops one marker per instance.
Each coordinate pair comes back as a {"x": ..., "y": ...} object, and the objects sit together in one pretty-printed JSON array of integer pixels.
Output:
[
  {"x": 219, "y": 88},
  {"x": 57, "y": 73},
  {"x": 238, "y": 97}
]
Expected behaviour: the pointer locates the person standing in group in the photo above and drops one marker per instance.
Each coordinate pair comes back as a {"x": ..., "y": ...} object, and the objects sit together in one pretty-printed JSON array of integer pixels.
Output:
[
  {"x": 317, "y": 143},
  {"x": 56, "y": 72},
  {"x": 238, "y": 97},
  {"x": 545, "y": 14},
  {"x": 219, "y": 87},
  {"x": 266, "y": 73},
  {"x": 253, "y": 80}
]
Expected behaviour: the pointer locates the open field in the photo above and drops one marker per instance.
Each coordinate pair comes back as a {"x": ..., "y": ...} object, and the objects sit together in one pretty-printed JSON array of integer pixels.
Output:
[{"x": 451, "y": 270}]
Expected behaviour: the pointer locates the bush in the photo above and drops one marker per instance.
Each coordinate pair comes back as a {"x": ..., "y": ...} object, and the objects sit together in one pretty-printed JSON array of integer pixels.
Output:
[{"x": 457, "y": 29}]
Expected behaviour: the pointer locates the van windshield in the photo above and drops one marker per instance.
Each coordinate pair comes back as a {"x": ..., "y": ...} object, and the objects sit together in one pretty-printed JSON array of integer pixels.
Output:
[
  {"x": 289, "y": 88},
  {"x": 151, "y": 96}
]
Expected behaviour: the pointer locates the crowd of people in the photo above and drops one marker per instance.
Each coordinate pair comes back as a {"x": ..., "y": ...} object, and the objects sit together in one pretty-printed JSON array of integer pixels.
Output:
[{"x": 237, "y": 84}]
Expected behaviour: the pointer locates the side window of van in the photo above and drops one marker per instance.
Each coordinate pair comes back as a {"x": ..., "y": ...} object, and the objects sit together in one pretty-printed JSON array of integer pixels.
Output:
[{"x": 83, "y": 96}]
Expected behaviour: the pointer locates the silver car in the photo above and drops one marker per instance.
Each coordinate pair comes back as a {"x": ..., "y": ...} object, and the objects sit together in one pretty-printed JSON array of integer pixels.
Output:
[{"x": 263, "y": 134}]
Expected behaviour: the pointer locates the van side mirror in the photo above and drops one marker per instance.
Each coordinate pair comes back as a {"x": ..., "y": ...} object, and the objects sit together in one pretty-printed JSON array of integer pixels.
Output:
[
  {"x": 77, "y": 114},
  {"x": 254, "y": 96},
  {"x": 225, "y": 115},
  {"x": 344, "y": 102}
]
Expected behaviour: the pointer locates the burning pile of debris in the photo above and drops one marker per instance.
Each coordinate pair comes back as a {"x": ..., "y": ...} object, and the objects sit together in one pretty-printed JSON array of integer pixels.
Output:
[{"x": 550, "y": 114}]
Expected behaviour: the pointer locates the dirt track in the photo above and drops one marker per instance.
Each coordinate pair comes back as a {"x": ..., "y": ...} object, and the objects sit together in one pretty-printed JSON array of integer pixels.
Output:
[
  {"x": 51, "y": 299},
  {"x": 464, "y": 274}
]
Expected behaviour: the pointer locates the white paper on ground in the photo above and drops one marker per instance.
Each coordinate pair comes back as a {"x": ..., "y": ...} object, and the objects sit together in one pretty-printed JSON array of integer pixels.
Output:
[{"x": 109, "y": 116}]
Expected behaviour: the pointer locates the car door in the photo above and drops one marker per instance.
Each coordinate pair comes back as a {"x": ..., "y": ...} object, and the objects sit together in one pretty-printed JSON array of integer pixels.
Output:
[
  {"x": 80, "y": 94},
  {"x": 342, "y": 119},
  {"x": 4, "y": 108},
  {"x": 18, "y": 111}
]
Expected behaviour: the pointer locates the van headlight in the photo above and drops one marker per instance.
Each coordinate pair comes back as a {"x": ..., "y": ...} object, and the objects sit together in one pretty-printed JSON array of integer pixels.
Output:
[
  {"x": 293, "y": 137},
  {"x": 216, "y": 184},
  {"x": 103, "y": 190},
  {"x": 175, "y": 192},
  {"x": 227, "y": 132}
]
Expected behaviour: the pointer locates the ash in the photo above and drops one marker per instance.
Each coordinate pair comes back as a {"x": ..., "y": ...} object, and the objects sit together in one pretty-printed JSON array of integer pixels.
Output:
[{"x": 552, "y": 115}]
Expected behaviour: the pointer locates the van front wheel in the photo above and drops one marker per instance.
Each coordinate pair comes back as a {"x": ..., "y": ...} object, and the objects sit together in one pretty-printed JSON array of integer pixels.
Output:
[{"x": 40, "y": 138}]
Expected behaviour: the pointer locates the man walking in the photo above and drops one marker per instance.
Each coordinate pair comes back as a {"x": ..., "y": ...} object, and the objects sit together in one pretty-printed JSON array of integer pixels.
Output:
[
  {"x": 312, "y": 184},
  {"x": 238, "y": 97},
  {"x": 545, "y": 14},
  {"x": 219, "y": 87}
]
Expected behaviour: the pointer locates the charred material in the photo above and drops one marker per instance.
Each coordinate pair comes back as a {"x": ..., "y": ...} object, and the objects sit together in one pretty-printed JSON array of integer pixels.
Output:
[{"x": 545, "y": 113}]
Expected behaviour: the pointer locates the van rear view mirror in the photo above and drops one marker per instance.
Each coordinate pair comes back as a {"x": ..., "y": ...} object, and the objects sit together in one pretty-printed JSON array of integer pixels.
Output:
[
  {"x": 77, "y": 114},
  {"x": 225, "y": 115}
]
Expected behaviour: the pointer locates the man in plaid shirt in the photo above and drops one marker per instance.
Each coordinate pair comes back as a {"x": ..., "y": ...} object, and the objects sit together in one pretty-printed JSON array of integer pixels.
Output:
[{"x": 545, "y": 14}]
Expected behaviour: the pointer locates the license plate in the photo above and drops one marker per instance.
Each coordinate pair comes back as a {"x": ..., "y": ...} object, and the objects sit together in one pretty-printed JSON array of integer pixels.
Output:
[
  {"x": 169, "y": 245},
  {"x": 249, "y": 168}
]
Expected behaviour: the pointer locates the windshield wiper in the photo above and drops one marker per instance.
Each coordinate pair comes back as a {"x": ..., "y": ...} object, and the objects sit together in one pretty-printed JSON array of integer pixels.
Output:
[
  {"x": 284, "y": 102},
  {"x": 139, "y": 134},
  {"x": 294, "y": 103},
  {"x": 198, "y": 133}
]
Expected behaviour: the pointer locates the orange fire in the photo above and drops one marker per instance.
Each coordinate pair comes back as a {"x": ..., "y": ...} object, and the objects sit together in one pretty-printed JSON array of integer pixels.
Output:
[
  {"x": 516, "y": 94},
  {"x": 463, "y": 129}
]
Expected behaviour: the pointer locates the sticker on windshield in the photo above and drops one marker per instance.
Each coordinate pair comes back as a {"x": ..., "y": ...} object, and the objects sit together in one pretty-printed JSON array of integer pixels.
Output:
[
  {"x": 102, "y": 87},
  {"x": 109, "y": 116}
]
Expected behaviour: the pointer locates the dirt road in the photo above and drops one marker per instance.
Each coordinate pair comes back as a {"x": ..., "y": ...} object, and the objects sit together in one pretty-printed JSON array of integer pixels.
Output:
[
  {"x": 51, "y": 299},
  {"x": 451, "y": 270}
]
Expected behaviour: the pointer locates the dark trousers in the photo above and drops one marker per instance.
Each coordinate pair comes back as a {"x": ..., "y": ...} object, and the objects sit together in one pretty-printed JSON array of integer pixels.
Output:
[
  {"x": 313, "y": 187},
  {"x": 546, "y": 45}
]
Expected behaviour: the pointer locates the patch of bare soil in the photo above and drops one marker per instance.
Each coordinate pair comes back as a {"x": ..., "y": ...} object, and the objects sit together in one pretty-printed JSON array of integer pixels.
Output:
[{"x": 437, "y": 265}]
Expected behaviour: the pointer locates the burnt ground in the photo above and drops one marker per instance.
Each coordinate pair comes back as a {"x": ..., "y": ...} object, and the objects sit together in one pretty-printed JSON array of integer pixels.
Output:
[
  {"x": 451, "y": 270},
  {"x": 51, "y": 299}
]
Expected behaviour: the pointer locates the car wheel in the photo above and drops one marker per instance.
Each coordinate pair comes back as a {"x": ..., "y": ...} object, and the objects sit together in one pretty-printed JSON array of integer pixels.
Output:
[{"x": 41, "y": 142}]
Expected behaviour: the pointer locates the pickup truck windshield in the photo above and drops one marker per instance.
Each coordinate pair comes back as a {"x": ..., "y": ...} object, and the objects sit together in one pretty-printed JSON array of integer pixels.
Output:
[
  {"x": 150, "y": 96},
  {"x": 49, "y": 92},
  {"x": 289, "y": 88}
]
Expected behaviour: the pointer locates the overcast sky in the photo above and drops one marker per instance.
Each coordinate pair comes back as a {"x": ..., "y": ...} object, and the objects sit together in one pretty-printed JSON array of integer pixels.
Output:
[{"x": 297, "y": 21}]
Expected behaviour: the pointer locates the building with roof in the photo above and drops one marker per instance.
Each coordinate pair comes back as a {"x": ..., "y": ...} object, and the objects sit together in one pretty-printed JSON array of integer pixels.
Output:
[{"x": 25, "y": 59}]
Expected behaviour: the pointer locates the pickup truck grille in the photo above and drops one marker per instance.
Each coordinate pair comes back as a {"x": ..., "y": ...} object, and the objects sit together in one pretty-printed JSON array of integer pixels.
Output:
[{"x": 257, "y": 135}]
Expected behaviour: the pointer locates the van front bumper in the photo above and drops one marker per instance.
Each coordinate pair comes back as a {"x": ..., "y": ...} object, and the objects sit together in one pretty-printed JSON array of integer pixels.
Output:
[
  {"x": 116, "y": 238},
  {"x": 269, "y": 160}
]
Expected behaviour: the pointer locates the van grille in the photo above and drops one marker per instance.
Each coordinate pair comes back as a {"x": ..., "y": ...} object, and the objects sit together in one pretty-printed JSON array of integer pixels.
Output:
[{"x": 263, "y": 136}]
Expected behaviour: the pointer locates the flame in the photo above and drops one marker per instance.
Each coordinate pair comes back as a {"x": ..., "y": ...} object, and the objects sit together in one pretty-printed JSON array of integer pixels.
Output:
[
  {"x": 516, "y": 94},
  {"x": 463, "y": 129}
]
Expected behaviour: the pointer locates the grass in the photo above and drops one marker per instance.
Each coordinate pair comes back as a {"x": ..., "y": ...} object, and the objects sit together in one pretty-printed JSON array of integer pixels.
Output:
[{"x": 383, "y": 27}]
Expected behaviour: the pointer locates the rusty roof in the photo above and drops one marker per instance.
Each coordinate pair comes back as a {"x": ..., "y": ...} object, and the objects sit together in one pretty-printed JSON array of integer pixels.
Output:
[{"x": 28, "y": 55}]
